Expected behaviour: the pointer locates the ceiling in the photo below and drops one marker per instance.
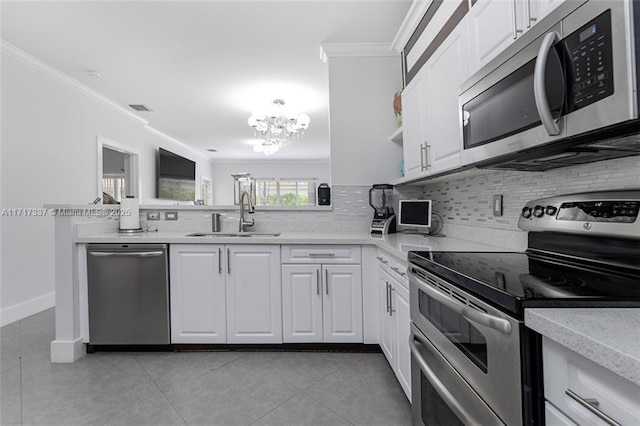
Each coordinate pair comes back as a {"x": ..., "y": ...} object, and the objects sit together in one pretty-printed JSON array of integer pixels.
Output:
[{"x": 204, "y": 66}]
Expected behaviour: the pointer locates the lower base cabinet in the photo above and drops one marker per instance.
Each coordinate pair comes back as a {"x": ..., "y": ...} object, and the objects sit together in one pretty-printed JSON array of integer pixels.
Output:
[
  {"x": 322, "y": 303},
  {"x": 395, "y": 327},
  {"x": 225, "y": 293}
]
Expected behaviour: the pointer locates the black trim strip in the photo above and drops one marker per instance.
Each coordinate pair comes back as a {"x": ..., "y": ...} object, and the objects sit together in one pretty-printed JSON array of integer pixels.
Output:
[{"x": 447, "y": 29}]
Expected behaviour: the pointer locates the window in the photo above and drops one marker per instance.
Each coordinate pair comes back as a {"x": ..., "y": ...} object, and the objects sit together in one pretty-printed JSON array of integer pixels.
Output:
[
  {"x": 114, "y": 186},
  {"x": 285, "y": 192}
]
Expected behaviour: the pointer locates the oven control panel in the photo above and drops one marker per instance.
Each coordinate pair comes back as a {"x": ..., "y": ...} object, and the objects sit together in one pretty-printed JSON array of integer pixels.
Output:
[{"x": 604, "y": 213}]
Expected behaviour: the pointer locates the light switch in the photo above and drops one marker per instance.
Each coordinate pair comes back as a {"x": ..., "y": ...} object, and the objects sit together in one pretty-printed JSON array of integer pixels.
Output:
[{"x": 497, "y": 205}]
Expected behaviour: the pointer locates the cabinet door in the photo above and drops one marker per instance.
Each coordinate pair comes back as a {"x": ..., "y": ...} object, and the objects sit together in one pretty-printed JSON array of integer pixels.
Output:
[
  {"x": 198, "y": 309},
  {"x": 342, "y": 303},
  {"x": 412, "y": 137},
  {"x": 386, "y": 320},
  {"x": 445, "y": 71},
  {"x": 254, "y": 301},
  {"x": 301, "y": 303},
  {"x": 538, "y": 9},
  {"x": 402, "y": 326},
  {"x": 491, "y": 29}
]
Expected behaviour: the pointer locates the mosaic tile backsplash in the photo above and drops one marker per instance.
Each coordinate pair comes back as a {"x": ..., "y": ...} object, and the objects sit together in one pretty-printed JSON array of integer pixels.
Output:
[{"x": 467, "y": 201}]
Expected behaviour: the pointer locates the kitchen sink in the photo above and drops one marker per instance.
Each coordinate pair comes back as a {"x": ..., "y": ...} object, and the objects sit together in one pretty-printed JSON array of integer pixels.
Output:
[{"x": 234, "y": 234}]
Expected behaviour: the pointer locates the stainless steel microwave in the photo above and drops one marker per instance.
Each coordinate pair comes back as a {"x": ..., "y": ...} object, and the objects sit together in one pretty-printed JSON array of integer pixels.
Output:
[{"x": 565, "y": 92}]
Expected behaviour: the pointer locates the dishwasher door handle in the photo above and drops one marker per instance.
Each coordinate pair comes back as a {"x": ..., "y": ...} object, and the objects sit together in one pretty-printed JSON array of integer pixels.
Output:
[{"x": 130, "y": 254}]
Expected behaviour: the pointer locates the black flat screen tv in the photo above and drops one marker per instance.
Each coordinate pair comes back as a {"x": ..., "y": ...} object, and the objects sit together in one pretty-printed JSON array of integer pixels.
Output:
[{"x": 176, "y": 177}]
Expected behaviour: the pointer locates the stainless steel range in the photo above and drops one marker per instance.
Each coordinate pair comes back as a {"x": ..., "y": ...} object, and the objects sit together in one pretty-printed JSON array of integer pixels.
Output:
[{"x": 473, "y": 360}]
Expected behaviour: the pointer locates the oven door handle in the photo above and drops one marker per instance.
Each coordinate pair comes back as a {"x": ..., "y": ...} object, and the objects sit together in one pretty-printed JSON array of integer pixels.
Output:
[
  {"x": 493, "y": 322},
  {"x": 440, "y": 388},
  {"x": 539, "y": 86}
]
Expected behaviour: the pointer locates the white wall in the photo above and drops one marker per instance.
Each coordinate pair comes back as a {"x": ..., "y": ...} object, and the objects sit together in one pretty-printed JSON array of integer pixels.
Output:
[
  {"x": 49, "y": 156},
  {"x": 223, "y": 182},
  {"x": 361, "y": 119}
]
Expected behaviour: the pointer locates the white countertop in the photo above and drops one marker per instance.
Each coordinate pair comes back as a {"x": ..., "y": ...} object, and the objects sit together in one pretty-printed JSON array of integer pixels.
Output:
[
  {"x": 609, "y": 337},
  {"x": 398, "y": 244}
]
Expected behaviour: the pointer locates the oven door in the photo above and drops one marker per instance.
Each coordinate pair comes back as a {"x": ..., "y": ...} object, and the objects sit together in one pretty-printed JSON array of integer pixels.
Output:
[
  {"x": 440, "y": 396},
  {"x": 480, "y": 342}
]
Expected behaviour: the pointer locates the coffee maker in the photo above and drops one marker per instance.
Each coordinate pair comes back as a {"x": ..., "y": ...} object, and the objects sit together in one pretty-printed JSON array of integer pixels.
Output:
[{"x": 384, "y": 220}]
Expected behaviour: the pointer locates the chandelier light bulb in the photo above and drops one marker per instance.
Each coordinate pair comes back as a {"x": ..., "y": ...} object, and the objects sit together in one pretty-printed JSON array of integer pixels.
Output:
[{"x": 278, "y": 127}]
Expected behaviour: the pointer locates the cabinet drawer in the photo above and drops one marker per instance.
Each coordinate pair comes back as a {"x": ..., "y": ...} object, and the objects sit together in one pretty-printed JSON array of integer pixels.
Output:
[
  {"x": 571, "y": 381},
  {"x": 394, "y": 267},
  {"x": 321, "y": 254}
]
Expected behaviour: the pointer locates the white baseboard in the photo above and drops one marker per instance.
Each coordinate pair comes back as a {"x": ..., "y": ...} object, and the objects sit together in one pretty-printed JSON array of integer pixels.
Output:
[
  {"x": 22, "y": 310},
  {"x": 67, "y": 350}
]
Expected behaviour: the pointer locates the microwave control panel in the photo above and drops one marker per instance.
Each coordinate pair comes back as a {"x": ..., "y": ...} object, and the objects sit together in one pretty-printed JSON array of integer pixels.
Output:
[{"x": 590, "y": 62}]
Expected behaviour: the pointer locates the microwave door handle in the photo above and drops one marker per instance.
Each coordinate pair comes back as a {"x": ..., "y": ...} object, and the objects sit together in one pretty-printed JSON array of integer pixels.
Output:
[
  {"x": 440, "y": 388},
  {"x": 539, "y": 86},
  {"x": 493, "y": 322}
]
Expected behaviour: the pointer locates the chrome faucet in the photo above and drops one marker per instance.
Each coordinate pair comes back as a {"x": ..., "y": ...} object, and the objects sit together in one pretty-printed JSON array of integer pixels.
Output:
[{"x": 250, "y": 209}]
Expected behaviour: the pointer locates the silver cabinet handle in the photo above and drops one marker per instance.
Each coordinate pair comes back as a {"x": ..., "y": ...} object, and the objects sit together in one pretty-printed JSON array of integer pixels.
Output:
[
  {"x": 219, "y": 261},
  {"x": 381, "y": 259},
  {"x": 387, "y": 293},
  {"x": 326, "y": 281},
  {"x": 423, "y": 154},
  {"x": 398, "y": 271},
  {"x": 228, "y": 261},
  {"x": 318, "y": 282},
  {"x": 391, "y": 310},
  {"x": 591, "y": 405},
  {"x": 440, "y": 388},
  {"x": 539, "y": 87},
  {"x": 126, "y": 254},
  {"x": 321, "y": 255},
  {"x": 516, "y": 31},
  {"x": 493, "y": 322},
  {"x": 530, "y": 18}
]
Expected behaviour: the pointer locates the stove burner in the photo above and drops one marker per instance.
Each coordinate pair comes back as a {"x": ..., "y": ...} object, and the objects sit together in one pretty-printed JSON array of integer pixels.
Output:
[{"x": 561, "y": 281}]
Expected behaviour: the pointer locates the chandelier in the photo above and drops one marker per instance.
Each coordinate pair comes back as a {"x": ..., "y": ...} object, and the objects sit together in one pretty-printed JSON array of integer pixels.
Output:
[{"x": 277, "y": 128}]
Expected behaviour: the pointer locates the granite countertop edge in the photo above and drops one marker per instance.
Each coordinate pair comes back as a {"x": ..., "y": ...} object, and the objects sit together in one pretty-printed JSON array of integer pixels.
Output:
[{"x": 610, "y": 337}]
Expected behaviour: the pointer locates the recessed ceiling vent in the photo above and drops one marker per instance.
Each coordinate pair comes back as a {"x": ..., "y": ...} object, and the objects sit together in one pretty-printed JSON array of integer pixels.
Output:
[
  {"x": 141, "y": 108},
  {"x": 212, "y": 150}
]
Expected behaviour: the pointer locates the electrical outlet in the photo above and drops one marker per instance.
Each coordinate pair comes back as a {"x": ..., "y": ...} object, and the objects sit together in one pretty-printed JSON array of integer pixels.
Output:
[
  {"x": 153, "y": 215},
  {"x": 171, "y": 215},
  {"x": 497, "y": 205}
]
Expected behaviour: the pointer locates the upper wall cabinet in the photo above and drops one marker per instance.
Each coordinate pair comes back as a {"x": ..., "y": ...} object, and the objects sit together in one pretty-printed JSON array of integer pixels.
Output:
[
  {"x": 495, "y": 24},
  {"x": 432, "y": 138}
]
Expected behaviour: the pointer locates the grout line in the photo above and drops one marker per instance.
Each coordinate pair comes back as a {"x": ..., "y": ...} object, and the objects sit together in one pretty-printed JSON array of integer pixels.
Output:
[
  {"x": 274, "y": 408},
  {"x": 161, "y": 391},
  {"x": 327, "y": 407}
]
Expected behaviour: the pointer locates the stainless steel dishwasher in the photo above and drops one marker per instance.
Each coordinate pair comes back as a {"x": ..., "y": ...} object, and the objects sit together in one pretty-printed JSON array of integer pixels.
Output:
[{"x": 128, "y": 294}]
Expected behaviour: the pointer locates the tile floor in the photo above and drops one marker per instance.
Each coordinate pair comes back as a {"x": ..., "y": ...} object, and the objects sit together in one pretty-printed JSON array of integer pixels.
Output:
[{"x": 196, "y": 388}]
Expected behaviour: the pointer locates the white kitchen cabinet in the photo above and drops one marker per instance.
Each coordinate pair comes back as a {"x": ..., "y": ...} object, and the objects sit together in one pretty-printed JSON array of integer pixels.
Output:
[
  {"x": 342, "y": 303},
  {"x": 225, "y": 293},
  {"x": 322, "y": 303},
  {"x": 432, "y": 135},
  {"x": 254, "y": 302},
  {"x": 395, "y": 319},
  {"x": 442, "y": 124},
  {"x": 198, "y": 303},
  {"x": 322, "y": 294},
  {"x": 302, "y": 303},
  {"x": 413, "y": 139},
  {"x": 583, "y": 391},
  {"x": 495, "y": 24},
  {"x": 492, "y": 27}
]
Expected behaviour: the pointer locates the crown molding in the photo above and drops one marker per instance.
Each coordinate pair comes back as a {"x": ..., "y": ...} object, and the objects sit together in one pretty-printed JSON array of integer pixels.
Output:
[
  {"x": 355, "y": 50},
  {"x": 38, "y": 65},
  {"x": 411, "y": 20}
]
